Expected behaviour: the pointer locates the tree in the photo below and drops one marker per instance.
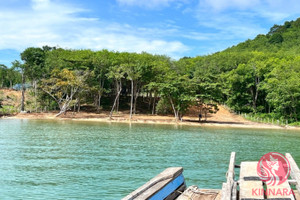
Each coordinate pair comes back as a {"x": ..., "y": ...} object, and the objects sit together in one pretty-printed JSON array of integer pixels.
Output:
[
  {"x": 276, "y": 38},
  {"x": 34, "y": 62},
  {"x": 102, "y": 60},
  {"x": 13, "y": 77},
  {"x": 116, "y": 73},
  {"x": 62, "y": 86},
  {"x": 9, "y": 76},
  {"x": 133, "y": 72},
  {"x": 180, "y": 92},
  {"x": 17, "y": 65},
  {"x": 283, "y": 87},
  {"x": 160, "y": 67},
  {"x": 3, "y": 74},
  {"x": 178, "y": 88}
]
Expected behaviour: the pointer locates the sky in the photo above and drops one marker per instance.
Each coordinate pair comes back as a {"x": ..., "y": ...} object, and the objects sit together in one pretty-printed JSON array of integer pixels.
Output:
[{"x": 176, "y": 28}]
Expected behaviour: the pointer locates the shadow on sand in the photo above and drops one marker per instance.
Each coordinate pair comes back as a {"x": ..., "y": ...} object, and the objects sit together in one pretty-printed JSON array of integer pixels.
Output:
[{"x": 212, "y": 122}]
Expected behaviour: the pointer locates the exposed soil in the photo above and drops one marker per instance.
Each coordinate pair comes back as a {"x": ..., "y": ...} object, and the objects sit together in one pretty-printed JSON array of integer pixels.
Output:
[
  {"x": 222, "y": 118},
  {"x": 10, "y": 97}
]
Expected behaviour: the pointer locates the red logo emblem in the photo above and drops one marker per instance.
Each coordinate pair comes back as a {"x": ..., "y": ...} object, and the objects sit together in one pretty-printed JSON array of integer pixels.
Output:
[{"x": 273, "y": 168}]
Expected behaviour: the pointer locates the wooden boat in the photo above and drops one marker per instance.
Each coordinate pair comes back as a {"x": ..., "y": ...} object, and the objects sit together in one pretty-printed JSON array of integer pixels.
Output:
[{"x": 170, "y": 185}]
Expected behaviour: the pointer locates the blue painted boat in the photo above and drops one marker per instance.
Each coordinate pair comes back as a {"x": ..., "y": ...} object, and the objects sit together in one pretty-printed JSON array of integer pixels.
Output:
[{"x": 167, "y": 185}]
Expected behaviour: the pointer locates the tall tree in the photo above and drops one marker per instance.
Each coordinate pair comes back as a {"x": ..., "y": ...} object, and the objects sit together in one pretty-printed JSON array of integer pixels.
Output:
[
  {"x": 116, "y": 73},
  {"x": 34, "y": 62},
  {"x": 102, "y": 60},
  {"x": 3, "y": 74},
  {"x": 283, "y": 87},
  {"x": 63, "y": 86},
  {"x": 19, "y": 66},
  {"x": 131, "y": 69}
]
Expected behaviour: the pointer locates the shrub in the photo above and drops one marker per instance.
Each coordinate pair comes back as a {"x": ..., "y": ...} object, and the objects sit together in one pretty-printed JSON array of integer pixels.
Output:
[{"x": 163, "y": 107}]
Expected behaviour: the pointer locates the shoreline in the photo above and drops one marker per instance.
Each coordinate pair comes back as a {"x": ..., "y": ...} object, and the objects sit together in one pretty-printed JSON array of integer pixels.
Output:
[{"x": 152, "y": 119}]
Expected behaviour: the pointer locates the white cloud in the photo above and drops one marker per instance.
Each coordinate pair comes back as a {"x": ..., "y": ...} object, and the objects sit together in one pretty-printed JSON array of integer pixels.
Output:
[
  {"x": 243, "y": 19},
  {"x": 219, "y": 5},
  {"x": 49, "y": 23},
  {"x": 149, "y": 3},
  {"x": 272, "y": 10}
]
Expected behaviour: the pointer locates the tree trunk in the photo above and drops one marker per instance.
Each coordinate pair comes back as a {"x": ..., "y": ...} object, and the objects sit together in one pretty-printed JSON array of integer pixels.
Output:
[
  {"x": 116, "y": 99},
  {"x": 96, "y": 97},
  {"x": 254, "y": 92},
  {"x": 154, "y": 102},
  {"x": 137, "y": 91},
  {"x": 74, "y": 108},
  {"x": 64, "y": 107},
  {"x": 131, "y": 101},
  {"x": 35, "y": 96},
  {"x": 149, "y": 100},
  {"x": 99, "y": 101},
  {"x": 79, "y": 105},
  {"x": 11, "y": 84},
  {"x": 118, "y": 88},
  {"x": 100, "y": 93},
  {"x": 175, "y": 112},
  {"x": 23, "y": 93}
]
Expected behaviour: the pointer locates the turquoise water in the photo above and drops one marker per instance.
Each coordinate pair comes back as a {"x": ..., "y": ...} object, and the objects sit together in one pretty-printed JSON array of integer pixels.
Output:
[{"x": 86, "y": 160}]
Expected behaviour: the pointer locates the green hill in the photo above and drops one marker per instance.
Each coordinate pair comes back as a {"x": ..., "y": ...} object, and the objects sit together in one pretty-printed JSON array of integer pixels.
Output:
[
  {"x": 281, "y": 38},
  {"x": 259, "y": 76}
]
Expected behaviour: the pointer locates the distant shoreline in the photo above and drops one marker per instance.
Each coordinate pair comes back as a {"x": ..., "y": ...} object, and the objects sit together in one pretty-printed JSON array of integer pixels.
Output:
[{"x": 150, "y": 119}]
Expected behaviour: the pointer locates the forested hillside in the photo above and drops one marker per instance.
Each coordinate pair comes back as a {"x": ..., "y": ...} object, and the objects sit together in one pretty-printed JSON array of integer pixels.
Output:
[
  {"x": 259, "y": 76},
  {"x": 280, "y": 39}
]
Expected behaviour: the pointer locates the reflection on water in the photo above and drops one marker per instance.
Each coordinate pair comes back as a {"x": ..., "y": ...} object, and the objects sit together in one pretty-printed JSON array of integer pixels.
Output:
[{"x": 88, "y": 160}]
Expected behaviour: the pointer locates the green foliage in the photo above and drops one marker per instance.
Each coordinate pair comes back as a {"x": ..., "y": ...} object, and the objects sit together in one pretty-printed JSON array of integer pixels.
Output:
[
  {"x": 8, "y": 110},
  {"x": 276, "y": 38},
  {"x": 163, "y": 107},
  {"x": 179, "y": 91},
  {"x": 64, "y": 85},
  {"x": 9, "y": 76},
  {"x": 295, "y": 124},
  {"x": 259, "y": 76},
  {"x": 1, "y": 98},
  {"x": 283, "y": 87},
  {"x": 283, "y": 39}
]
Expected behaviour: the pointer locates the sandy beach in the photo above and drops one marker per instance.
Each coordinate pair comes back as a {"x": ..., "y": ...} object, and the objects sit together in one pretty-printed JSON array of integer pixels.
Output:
[{"x": 223, "y": 118}]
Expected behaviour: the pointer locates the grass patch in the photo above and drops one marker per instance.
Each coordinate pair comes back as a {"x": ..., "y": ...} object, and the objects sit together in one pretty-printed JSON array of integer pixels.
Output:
[
  {"x": 8, "y": 110},
  {"x": 295, "y": 124}
]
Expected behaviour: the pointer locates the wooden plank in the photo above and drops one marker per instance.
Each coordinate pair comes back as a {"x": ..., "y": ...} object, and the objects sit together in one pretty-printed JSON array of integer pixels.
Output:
[
  {"x": 295, "y": 172},
  {"x": 226, "y": 193},
  {"x": 228, "y": 186},
  {"x": 282, "y": 191},
  {"x": 234, "y": 191},
  {"x": 230, "y": 173},
  {"x": 168, "y": 189},
  {"x": 155, "y": 184},
  {"x": 297, "y": 195},
  {"x": 251, "y": 186}
]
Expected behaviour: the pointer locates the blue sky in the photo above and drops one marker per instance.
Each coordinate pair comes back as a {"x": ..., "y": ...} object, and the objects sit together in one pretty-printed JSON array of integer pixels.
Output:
[{"x": 175, "y": 28}]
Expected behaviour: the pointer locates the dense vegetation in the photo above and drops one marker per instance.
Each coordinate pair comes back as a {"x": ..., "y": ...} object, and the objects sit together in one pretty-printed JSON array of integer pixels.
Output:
[{"x": 259, "y": 76}]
